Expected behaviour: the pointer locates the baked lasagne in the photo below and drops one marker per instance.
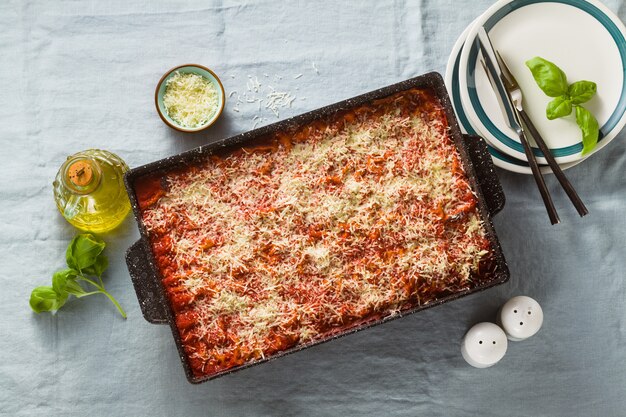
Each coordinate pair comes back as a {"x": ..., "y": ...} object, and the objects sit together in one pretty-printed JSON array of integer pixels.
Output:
[{"x": 313, "y": 231}]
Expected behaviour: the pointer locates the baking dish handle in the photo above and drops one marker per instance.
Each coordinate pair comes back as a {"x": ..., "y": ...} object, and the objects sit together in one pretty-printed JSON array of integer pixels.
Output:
[
  {"x": 145, "y": 283},
  {"x": 486, "y": 173}
]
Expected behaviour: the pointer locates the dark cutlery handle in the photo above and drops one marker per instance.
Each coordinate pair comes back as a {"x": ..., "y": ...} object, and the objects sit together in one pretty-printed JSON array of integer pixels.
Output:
[
  {"x": 541, "y": 184},
  {"x": 144, "y": 280},
  {"x": 567, "y": 186},
  {"x": 488, "y": 180}
]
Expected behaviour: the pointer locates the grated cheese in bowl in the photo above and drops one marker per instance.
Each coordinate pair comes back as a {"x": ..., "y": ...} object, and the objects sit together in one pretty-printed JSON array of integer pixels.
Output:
[{"x": 190, "y": 98}]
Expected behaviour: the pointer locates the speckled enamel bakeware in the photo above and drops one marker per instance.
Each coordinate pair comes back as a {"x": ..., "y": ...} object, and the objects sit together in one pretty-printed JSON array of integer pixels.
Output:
[{"x": 473, "y": 153}]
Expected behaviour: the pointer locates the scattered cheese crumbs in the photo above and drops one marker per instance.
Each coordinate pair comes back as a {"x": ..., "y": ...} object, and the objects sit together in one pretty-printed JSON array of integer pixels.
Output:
[
  {"x": 317, "y": 71},
  {"x": 190, "y": 100},
  {"x": 253, "y": 84},
  {"x": 277, "y": 99},
  {"x": 263, "y": 97},
  {"x": 256, "y": 121}
]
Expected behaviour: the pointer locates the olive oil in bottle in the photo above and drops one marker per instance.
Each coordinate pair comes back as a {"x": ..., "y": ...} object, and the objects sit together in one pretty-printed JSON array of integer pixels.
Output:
[{"x": 89, "y": 190}]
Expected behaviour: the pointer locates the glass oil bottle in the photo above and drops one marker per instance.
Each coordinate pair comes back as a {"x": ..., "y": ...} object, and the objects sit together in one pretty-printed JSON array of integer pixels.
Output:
[{"x": 89, "y": 190}]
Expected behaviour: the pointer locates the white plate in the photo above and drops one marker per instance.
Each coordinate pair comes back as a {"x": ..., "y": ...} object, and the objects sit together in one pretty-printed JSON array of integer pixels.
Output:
[
  {"x": 582, "y": 37},
  {"x": 500, "y": 160}
]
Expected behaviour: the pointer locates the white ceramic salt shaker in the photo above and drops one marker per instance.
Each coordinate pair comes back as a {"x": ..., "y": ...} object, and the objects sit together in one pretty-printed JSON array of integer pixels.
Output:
[
  {"x": 520, "y": 318},
  {"x": 484, "y": 345}
]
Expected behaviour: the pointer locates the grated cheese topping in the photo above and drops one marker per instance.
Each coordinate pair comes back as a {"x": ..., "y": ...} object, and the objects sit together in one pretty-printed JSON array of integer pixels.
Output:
[
  {"x": 190, "y": 100},
  {"x": 333, "y": 224}
]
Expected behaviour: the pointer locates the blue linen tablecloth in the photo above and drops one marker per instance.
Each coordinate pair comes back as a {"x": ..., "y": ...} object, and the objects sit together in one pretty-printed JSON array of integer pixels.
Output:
[{"x": 81, "y": 74}]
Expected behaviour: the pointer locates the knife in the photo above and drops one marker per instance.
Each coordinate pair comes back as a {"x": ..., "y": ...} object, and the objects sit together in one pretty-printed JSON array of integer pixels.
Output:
[{"x": 495, "y": 76}]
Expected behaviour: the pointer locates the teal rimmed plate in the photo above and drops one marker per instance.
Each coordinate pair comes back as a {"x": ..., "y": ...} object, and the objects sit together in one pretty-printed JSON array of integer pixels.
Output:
[
  {"x": 500, "y": 159},
  {"x": 583, "y": 37}
]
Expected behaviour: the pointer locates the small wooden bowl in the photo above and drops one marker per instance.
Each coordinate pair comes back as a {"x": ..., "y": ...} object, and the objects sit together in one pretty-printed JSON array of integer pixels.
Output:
[{"x": 194, "y": 69}]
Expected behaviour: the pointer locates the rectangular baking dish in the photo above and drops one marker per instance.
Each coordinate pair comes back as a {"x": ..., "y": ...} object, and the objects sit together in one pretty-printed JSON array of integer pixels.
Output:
[{"x": 473, "y": 153}]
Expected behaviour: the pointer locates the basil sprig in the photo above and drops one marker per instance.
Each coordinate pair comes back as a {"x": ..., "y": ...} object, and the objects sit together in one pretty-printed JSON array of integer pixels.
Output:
[
  {"x": 553, "y": 82},
  {"x": 84, "y": 257}
]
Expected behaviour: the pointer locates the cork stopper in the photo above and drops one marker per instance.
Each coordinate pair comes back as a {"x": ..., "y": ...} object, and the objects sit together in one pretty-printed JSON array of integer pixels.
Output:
[{"x": 80, "y": 173}]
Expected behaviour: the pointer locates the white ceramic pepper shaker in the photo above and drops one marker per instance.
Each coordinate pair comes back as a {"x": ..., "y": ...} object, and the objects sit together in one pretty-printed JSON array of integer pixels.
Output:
[
  {"x": 520, "y": 318},
  {"x": 484, "y": 345}
]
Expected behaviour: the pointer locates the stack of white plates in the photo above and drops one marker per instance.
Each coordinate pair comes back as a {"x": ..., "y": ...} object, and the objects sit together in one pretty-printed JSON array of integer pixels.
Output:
[{"x": 582, "y": 37}]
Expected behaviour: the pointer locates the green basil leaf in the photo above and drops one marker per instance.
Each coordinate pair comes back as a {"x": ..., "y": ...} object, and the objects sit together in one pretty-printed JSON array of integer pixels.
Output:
[
  {"x": 61, "y": 299},
  {"x": 559, "y": 107},
  {"x": 72, "y": 287},
  {"x": 64, "y": 281},
  {"x": 582, "y": 91},
  {"x": 101, "y": 264},
  {"x": 548, "y": 76},
  {"x": 83, "y": 251},
  {"x": 43, "y": 299},
  {"x": 589, "y": 127},
  {"x": 60, "y": 278},
  {"x": 46, "y": 299}
]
